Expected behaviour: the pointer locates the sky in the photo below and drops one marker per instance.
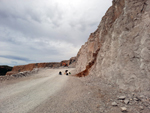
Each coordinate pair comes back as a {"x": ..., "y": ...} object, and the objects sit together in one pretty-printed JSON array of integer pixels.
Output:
[{"x": 34, "y": 31}]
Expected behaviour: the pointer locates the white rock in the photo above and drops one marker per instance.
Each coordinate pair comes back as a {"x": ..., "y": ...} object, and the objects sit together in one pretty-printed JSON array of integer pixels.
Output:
[
  {"x": 123, "y": 109},
  {"x": 142, "y": 96},
  {"x": 121, "y": 101},
  {"x": 136, "y": 99},
  {"x": 126, "y": 101},
  {"x": 114, "y": 104},
  {"x": 141, "y": 107},
  {"x": 121, "y": 97}
]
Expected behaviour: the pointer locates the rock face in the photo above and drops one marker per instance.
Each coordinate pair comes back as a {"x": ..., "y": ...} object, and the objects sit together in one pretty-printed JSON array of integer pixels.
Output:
[
  {"x": 72, "y": 62},
  {"x": 119, "y": 50},
  {"x": 4, "y": 69}
]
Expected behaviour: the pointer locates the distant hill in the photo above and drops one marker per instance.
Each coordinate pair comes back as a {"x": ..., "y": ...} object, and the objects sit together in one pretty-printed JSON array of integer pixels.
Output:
[
  {"x": 4, "y": 69},
  {"x": 29, "y": 67}
]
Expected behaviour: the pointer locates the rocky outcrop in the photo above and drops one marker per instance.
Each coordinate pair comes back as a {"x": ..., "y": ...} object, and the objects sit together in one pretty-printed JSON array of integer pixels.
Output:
[
  {"x": 96, "y": 39},
  {"x": 4, "y": 69},
  {"x": 122, "y": 45},
  {"x": 71, "y": 62},
  {"x": 64, "y": 63},
  {"x": 87, "y": 51}
]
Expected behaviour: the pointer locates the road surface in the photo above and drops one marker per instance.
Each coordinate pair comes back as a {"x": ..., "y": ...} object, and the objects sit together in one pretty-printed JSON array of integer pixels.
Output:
[{"x": 25, "y": 94}]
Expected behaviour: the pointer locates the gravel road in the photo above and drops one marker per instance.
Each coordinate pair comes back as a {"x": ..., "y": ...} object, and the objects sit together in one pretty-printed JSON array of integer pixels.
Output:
[
  {"x": 48, "y": 92},
  {"x": 24, "y": 94}
]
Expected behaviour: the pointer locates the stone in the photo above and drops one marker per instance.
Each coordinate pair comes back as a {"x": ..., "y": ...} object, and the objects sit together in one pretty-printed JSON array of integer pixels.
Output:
[
  {"x": 114, "y": 104},
  {"x": 142, "y": 96},
  {"x": 131, "y": 99},
  {"x": 141, "y": 108},
  {"x": 126, "y": 101},
  {"x": 137, "y": 99},
  {"x": 121, "y": 97},
  {"x": 133, "y": 94},
  {"x": 123, "y": 109}
]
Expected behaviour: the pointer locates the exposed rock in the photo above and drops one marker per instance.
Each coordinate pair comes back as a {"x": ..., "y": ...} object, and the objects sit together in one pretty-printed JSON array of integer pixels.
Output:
[
  {"x": 142, "y": 96},
  {"x": 121, "y": 97},
  {"x": 122, "y": 45},
  {"x": 123, "y": 109},
  {"x": 141, "y": 107},
  {"x": 126, "y": 101},
  {"x": 137, "y": 99},
  {"x": 114, "y": 104},
  {"x": 72, "y": 62},
  {"x": 11, "y": 72},
  {"x": 87, "y": 51}
]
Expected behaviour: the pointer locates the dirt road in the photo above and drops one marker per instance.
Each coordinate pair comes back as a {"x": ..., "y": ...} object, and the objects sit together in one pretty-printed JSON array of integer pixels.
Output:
[
  {"x": 48, "y": 92},
  {"x": 25, "y": 94}
]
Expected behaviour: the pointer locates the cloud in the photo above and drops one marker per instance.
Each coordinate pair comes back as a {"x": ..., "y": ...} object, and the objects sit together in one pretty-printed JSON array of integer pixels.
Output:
[
  {"x": 15, "y": 58},
  {"x": 46, "y": 30}
]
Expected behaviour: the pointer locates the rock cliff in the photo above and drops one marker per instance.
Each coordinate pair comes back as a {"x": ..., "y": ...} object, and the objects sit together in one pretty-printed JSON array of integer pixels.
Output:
[{"x": 119, "y": 50}]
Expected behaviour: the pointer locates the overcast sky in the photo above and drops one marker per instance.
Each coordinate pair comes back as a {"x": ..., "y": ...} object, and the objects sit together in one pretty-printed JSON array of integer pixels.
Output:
[{"x": 33, "y": 31}]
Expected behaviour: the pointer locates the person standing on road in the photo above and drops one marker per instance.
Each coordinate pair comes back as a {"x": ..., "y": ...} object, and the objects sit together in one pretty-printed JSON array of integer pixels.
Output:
[
  {"x": 60, "y": 73},
  {"x": 66, "y": 71}
]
